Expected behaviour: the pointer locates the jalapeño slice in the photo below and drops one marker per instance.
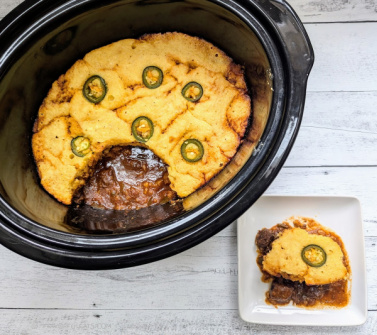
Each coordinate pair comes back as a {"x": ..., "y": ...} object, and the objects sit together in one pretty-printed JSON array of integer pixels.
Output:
[
  {"x": 152, "y": 77},
  {"x": 192, "y": 91},
  {"x": 80, "y": 146},
  {"x": 142, "y": 129},
  {"x": 192, "y": 150},
  {"x": 314, "y": 255},
  {"x": 94, "y": 89}
]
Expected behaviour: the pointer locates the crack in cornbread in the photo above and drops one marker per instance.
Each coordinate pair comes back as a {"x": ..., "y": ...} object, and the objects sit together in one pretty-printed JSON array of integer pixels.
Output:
[{"x": 218, "y": 119}]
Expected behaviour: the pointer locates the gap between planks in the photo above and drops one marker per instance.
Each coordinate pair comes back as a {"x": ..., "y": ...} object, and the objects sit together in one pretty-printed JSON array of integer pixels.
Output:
[
  {"x": 151, "y": 322},
  {"x": 340, "y": 22}
]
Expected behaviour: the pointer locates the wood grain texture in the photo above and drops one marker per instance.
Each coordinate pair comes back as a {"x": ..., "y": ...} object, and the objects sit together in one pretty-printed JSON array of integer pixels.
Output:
[
  {"x": 341, "y": 111},
  {"x": 308, "y": 11},
  {"x": 344, "y": 57},
  {"x": 338, "y": 129},
  {"x": 204, "y": 277},
  {"x": 196, "y": 291},
  {"x": 335, "y": 10},
  {"x": 360, "y": 182},
  {"x": 7, "y": 5},
  {"x": 333, "y": 147},
  {"x": 200, "y": 278},
  {"x": 170, "y": 322}
]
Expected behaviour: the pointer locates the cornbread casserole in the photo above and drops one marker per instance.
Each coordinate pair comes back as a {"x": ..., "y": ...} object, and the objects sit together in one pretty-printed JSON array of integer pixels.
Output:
[{"x": 177, "y": 95}]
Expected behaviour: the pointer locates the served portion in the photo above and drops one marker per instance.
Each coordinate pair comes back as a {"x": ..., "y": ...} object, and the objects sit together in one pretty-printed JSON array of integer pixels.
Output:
[
  {"x": 175, "y": 95},
  {"x": 305, "y": 262}
]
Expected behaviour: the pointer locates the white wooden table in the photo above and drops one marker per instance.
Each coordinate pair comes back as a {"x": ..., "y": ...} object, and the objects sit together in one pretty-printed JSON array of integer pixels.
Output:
[{"x": 196, "y": 292}]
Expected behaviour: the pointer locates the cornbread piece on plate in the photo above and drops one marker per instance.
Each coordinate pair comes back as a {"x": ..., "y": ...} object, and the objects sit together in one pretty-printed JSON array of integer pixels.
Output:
[
  {"x": 305, "y": 262},
  {"x": 287, "y": 259}
]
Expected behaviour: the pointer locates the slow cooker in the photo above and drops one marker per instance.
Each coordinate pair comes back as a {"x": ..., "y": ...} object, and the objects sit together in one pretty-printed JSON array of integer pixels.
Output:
[{"x": 41, "y": 39}]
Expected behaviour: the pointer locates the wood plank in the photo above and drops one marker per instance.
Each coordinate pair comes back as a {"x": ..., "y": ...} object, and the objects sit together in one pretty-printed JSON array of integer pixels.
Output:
[
  {"x": 204, "y": 277},
  {"x": 338, "y": 128},
  {"x": 348, "y": 111},
  {"x": 345, "y": 57},
  {"x": 335, "y": 10},
  {"x": 333, "y": 147},
  {"x": 172, "y": 322},
  {"x": 308, "y": 11},
  {"x": 7, "y": 5},
  {"x": 358, "y": 182}
]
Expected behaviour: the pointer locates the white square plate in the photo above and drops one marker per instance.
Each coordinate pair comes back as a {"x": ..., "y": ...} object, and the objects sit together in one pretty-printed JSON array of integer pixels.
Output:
[{"x": 341, "y": 214}]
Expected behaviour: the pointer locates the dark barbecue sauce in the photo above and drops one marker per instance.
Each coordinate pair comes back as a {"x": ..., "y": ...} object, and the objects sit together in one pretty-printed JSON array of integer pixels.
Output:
[
  {"x": 127, "y": 178},
  {"x": 106, "y": 221},
  {"x": 282, "y": 291}
]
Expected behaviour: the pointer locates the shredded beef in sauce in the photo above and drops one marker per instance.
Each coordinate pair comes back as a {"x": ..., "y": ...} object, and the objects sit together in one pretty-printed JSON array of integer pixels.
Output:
[
  {"x": 283, "y": 291},
  {"x": 127, "y": 178}
]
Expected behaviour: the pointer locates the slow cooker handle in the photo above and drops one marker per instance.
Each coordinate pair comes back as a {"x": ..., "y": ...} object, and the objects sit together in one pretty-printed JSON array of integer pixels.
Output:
[{"x": 292, "y": 33}]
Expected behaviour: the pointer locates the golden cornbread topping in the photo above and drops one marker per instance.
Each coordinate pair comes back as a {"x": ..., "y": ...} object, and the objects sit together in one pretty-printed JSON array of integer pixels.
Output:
[
  {"x": 305, "y": 262},
  {"x": 177, "y": 95}
]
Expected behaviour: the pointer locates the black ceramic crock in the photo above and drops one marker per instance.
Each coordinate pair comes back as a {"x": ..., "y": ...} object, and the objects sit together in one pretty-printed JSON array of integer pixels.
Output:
[{"x": 41, "y": 39}]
